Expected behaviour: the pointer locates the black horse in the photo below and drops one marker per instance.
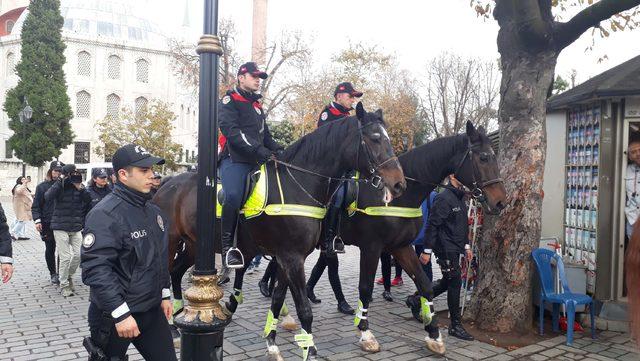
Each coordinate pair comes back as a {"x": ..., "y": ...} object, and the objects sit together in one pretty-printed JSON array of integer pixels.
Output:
[
  {"x": 359, "y": 142},
  {"x": 471, "y": 159}
]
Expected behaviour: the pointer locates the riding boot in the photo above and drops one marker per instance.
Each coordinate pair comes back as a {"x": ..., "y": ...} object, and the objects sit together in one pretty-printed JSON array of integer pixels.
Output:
[
  {"x": 332, "y": 243},
  {"x": 231, "y": 256},
  {"x": 456, "y": 330}
]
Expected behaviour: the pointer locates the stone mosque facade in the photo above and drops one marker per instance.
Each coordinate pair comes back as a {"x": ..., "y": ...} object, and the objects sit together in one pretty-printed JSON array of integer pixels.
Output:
[{"x": 115, "y": 58}]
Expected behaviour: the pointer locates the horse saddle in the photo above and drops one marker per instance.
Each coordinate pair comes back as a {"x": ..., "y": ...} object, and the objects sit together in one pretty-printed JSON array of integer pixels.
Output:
[{"x": 254, "y": 195}]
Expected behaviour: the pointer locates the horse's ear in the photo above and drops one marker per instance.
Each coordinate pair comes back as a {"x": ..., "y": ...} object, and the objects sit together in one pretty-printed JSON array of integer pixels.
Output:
[
  {"x": 472, "y": 132},
  {"x": 360, "y": 112},
  {"x": 482, "y": 130},
  {"x": 378, "y": 114}
]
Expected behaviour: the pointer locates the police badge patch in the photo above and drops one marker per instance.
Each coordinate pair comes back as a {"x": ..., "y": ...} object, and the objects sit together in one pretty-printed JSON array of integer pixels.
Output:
[
  {"x": 226, "y": 99},
  {"x": 160, "y": 223},
  {"x": 324, "y": 116},
  {"x": 88, "y": 240},
  {"x": 258, "y": 110}
]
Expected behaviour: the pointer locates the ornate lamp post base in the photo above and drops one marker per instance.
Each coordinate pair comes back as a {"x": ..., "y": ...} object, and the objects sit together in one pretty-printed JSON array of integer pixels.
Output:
[{"x": 202, "y": 322}]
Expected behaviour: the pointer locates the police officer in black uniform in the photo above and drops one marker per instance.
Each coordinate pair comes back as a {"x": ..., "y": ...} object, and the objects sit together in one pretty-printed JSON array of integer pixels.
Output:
[
  {"x": 447, "y": 236},
  {"x": 344, "y": 97},
  {"x": 125, "y": 264},
  {"x": 248, "y": 143},
  {"x": 98, "y": 186}
]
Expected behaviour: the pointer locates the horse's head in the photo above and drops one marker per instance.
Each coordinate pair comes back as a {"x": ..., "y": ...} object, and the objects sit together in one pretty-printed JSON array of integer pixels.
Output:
[
  {"x": 478, "y": 170},
  {"x": 375, "y": 154}
]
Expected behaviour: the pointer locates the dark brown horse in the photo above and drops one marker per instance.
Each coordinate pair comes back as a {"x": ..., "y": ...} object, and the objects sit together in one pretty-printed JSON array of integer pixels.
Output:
[
  {"x": 632, "y": 270},
  {"x": 359, "y": 143},
  {"x": 471, "y": 159}
]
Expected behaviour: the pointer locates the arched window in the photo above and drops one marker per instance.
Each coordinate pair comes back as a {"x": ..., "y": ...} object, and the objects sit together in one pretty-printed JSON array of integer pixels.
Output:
[
  {"x": 84, "y": 63},
  {"x": 182, "y": 116},
  {"x": 83, "y": 104},
  {"x": 113, "y": 67},
  {"x": 141, "y": 104},
  {"x": 8, "y": 26},
  {"x": 11, "y": 63},
  {"x": 142, "y": 71},
  {"x": 113, "y": 106}
]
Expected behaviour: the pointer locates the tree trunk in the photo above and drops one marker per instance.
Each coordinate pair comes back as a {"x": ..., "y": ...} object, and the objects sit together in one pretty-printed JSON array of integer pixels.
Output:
[{"x": 502, "y": 299}]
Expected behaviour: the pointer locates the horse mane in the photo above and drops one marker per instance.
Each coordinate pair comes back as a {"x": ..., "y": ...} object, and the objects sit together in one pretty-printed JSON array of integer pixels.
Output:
[
  {"x": 434, "y": 153},
  {"x": 632, "y": 265},
  {"x": 165, "y": 180},
  {"x": 314, "y": 145}
]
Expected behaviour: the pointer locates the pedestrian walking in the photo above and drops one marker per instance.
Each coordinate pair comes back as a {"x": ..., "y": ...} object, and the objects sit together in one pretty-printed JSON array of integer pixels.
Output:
[
  {"x": 6, "y": 255},
  {"x": 41, "y": 211},
  {"x": 22, "y": 202},
  {"x": 157, "y": 180},
  {"x": 71, "y": 201},
  {"x": 125, "y": 265}
]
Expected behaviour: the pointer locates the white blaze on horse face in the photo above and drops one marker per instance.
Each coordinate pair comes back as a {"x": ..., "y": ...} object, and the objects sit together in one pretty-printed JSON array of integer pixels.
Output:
[
  {"x": 384, "y": 131},
  {"x": 387, "y": 197}
]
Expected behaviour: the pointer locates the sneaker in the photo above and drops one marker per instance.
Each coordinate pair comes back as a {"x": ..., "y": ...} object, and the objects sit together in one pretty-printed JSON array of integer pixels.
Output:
[
  {"x": 380, "y": 281},
  {"x": 387, "y": 296},
  {"x": 67, "y": 291},
  {"x": 397, "y": 281},
  {"x": 54, "y": 279}
]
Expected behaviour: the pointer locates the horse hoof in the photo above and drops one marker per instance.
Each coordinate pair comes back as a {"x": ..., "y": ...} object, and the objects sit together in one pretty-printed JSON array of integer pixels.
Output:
[
  {"x": 273, "y": 353},
  {"x": 436, "y": 346},
  {"x": 368, "y": 342},
  {"x": 289, "y": 324}
]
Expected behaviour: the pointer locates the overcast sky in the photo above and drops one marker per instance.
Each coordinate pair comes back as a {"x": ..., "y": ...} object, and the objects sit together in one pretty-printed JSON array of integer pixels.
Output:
[{"x": 413, "y": 30}]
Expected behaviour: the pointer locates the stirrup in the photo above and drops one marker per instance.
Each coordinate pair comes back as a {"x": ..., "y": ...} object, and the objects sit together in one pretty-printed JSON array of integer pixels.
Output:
[
  {"x": 226, "y": 258},
  {"x": 333, "y": 245}
]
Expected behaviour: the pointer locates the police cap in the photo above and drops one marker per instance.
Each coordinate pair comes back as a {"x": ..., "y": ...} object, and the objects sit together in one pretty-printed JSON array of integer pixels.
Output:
[
  {"x": 132, "y": 155},
  {"x": 347, "y": 87},
  {"x": 252, "y": 68}
]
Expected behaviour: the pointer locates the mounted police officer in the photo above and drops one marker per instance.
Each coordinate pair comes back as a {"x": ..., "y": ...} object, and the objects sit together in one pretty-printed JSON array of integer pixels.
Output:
[
  {"x": 125, "y": 264},
  {"x": 248, "y": 143},
  {"x": 447, "y": 235},
  {"x": 344, "y": 97}
]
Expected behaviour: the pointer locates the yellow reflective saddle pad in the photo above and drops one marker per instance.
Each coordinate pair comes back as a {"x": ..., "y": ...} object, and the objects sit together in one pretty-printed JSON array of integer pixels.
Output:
[
  {"x": 256, "y": 203},
  {"x": 383, "y": 211}
]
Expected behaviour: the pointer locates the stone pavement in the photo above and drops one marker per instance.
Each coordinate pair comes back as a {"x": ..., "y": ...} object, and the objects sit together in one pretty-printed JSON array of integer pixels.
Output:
[{"x": 37, "y": 323}]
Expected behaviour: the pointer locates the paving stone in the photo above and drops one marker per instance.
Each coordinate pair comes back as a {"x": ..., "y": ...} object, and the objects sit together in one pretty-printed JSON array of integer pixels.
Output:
[{"x": 37, "y": 323}]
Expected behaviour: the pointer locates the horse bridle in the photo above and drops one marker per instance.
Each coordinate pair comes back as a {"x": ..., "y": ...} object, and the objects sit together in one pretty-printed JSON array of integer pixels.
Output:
[
  {"x": 375, "y": 180},
  {"x": 476, "y": 192}
]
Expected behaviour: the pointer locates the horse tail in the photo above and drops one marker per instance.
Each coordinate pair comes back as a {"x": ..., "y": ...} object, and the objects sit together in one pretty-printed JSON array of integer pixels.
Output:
[{"x": 633, "y": 280}]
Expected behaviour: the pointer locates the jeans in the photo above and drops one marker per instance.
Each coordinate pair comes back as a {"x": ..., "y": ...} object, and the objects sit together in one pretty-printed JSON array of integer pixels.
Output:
[
  {"x": 68, "y": 245},
  {"x": 256, "y": 261},
  {"x": 234, "y": 178},
  {"x": 18, "y": 229}
]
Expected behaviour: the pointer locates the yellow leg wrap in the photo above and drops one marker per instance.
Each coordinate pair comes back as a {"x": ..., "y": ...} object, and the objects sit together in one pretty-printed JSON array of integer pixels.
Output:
[
  {"x": 238, "y": 295},
  {"x": 304, "y": 341},
  {"x": 361, "y": 314},
  {"x": 425, "y": 311},
  {"x": 271, "y": 325},
  {"x": 284, "y": 310}
]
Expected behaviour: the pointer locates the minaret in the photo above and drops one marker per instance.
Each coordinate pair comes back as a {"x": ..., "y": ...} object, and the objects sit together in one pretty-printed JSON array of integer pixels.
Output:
[
  {"x": 185, "y": 20},
  {"x": 259, "y": 36}
]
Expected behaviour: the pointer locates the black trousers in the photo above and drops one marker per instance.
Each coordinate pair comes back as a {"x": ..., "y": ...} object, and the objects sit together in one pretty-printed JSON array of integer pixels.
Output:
[
  {"x": 154, "y": 343},
  {"x": 334, "y": 278},
  {"x": 451, "y": 282},
  {"x": 49, "y": 248},
  {"x": 385, "y": 267}
]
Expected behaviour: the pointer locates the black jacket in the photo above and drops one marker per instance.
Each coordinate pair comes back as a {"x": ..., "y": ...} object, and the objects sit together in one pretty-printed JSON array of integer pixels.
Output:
[
  {"x": 331, "y": 112},
  {"x": 70, "y": 206},
  {"x": 244, "y": 125},
  {"x": 5, "y": 239},
  {"x": 124, "y": 255},
  {"x": 448, "y": 224},
  {"x": 97, "y": 194},
  {"x": 40, "y": 209}
]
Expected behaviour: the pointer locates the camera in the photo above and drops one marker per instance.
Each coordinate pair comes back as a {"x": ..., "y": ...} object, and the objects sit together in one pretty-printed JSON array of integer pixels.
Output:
[{"x": 75, "y": 177}]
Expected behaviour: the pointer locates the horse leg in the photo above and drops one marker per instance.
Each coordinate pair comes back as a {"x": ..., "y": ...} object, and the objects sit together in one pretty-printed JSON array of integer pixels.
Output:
[
  {"x": 406, "y": 256},
  {"x": 180, "y": 266},
  {"x": 270, "y": 328},
  {"x": 236, "y": 297},
  {"x": 293, "y": 271},
  {"x": 368, "y": 265}
]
